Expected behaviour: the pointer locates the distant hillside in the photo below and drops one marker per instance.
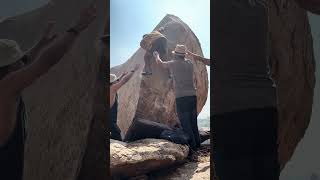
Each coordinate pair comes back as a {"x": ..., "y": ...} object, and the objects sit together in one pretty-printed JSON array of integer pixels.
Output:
[{"x": 204, "y": 122}]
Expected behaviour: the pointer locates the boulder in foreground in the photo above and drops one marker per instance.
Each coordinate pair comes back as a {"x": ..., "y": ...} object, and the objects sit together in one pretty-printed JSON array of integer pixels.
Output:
[{"x": 140, "y": 157}]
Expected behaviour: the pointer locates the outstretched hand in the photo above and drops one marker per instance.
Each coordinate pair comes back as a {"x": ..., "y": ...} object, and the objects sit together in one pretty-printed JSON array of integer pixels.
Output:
[
  {"x": 123, "y": 74},
  {"x": 136, "y": 67},
  {"x": 48, "y": 35},
  {"x": 156, "y": 54},
  {"x": 87, "y": 16},
  {"x": 193, "y": 55}
]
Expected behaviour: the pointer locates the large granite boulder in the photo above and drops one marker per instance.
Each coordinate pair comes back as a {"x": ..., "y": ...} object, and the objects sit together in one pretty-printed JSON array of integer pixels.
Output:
[
  {"x": 152, "y": 97},
  {"x": 140, "y": 157},
  {"x": 62, "y": 105},
  {"x": 293, "y": 68}
]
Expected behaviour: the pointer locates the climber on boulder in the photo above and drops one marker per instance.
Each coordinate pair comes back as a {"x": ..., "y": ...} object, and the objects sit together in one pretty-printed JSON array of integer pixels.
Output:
[
  {"x": 18, "y": 70},
  {"x": 154, "y": 41},
  {"x": 115, "y": 85},
  {"x": 185, "y": 92}
]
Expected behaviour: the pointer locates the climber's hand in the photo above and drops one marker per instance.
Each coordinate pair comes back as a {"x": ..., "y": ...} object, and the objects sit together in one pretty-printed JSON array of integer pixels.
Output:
[
  {"x": 137, "y": 66},
  {"x": 87, "y": 16},
  {"x": 48, "y": 34},
  {"x": 156, "y": 54}
]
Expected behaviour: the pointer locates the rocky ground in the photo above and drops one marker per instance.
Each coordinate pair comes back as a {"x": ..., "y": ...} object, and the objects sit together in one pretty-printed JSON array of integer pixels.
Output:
[
  {"x": 196, "y": 167},
  {"x": 155, "y": 159}
]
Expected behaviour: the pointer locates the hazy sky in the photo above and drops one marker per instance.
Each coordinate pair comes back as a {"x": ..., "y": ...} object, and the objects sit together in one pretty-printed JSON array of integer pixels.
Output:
[{"x": 132, "y": 19}]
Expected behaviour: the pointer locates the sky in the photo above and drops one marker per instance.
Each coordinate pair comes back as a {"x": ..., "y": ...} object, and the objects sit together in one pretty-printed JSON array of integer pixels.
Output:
[{"x": 130, "y": 20}]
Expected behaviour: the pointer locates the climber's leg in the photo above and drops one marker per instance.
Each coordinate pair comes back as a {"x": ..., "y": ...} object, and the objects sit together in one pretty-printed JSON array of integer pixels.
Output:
[
  {"x": 185, "y": 119},
  {"x": 147, "y": 64}
]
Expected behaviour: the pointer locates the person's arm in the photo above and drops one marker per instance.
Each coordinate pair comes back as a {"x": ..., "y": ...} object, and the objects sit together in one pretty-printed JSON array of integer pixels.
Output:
[
  {"x": 199, "y": 58},
  {"x": 124, "y": 78},
  {"x": 164, "y": 64},
  {"x": 18, "y": 80},
  {"x": 47, "y": 38}
]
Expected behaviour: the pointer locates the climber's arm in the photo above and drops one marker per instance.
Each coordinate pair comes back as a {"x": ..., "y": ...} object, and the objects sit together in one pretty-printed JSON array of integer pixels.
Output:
[
  {"x": 199, "y": 58},
  {"x": 46, "y": 39},
  {"x": 22, "y": 78},
  {"x": 124, "y": 78},
  {"x": 121, "y": 81}
]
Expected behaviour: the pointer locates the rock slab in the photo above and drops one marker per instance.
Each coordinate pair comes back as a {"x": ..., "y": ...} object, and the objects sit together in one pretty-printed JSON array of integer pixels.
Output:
[{"x": 140, "y": 157}]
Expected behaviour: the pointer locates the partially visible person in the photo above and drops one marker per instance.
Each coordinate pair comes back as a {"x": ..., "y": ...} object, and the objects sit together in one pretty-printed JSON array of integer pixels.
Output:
[
  {"x": 103, "y": 51},
  {"x": 185, "y": 92},
  {"x": 115, "y": 85},
  {"x": 154, "y": 41},
  {"x": 245, "y": 114},
  {"x": 105, "y": 38},
  {"x": 197, "y": 57},
  {"x": 18, "y": 70}
]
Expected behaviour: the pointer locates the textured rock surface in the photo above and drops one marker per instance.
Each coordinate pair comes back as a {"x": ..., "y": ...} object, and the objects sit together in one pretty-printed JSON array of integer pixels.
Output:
[
  {"x": 189, "y": 171},
  {"x": 140, "y": 157},
  {"x": 152, "y": 97},
  {"x": 60, "y": 104},
  {"x": 197, "y": 168},
  {"x": 95, "y": 161},
  {"x": 294, "y": 71}
]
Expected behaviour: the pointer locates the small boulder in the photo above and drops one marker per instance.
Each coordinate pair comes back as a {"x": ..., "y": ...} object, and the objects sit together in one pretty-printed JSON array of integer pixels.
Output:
[{"x": 140, "y": 157}]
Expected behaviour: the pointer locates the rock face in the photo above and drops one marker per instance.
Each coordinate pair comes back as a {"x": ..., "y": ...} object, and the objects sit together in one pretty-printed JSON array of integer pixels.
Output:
[
  {"x": 152, "y": 97},
  {"x": 293, "y": 68},
  {"x": 140, "y": 157},
  {"x": 190, "y": 171},
  {"x": 62, "y": 104}
]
